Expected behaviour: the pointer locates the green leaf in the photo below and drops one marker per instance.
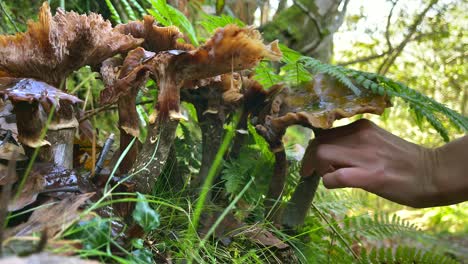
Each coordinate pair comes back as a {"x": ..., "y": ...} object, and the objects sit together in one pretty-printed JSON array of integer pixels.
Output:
[
  {"x": 143, "y": 256},
  {"x": 114, "y": 14},
  {"x": 210, "y": 23},
  {"x": 94, "y": 233},
  {"x": 144, "y": 215},
  {"x": 219, "y": 6},
  {"x": 168, "y": 15},
  {"x": 128, "y": 9}
]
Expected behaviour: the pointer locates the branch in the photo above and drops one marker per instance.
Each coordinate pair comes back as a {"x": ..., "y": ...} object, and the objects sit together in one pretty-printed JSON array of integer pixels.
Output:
[
  {"x": 364, "y": 59},
  {"x": 90, "y": 113},
  {"x": 387, "y": 63},
  {"x": 380, "y": 55},
  {"x": 387, "y": 28},
  {"x": 311, "y": 47}
]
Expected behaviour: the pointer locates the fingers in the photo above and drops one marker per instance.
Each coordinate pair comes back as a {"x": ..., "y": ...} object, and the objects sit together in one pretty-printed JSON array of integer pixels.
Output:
[
  {"x": 324, "y": 158},
  {"x": 351, "y": 177},
  {"x": 342, "y": 131}
]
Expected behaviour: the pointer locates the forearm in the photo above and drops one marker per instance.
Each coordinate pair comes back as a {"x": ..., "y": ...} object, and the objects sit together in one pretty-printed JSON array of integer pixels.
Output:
[{"x": 450, "y": 173}]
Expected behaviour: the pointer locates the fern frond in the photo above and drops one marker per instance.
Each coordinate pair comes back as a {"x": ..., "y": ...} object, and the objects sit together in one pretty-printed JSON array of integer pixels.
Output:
[
  {"x": 210, "y": 23},
  {"x": 421, "y": 104},
  {"x": 380, "y": 226},
  {"x": 114, "y": 14},
  {"x": 335, "y": 71},
  {"x": 128, "y": 9},
  {"x": 432, "y": 119},
  {"x": 266, "y": 75},
  {"x": 138, "y": 7},
  {"x": 404, "y": 255}
]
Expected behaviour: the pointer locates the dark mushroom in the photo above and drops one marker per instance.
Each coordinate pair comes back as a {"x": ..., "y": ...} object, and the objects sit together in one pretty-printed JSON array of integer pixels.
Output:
[
  {"x": 214, "y": 99},
  {"x": 33, "y": 101}
]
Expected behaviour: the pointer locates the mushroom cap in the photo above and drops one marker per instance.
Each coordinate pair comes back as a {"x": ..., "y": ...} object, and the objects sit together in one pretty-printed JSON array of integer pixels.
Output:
[
  {"x": 156, "y": 38},
  {"x": 29, "y": 90},
  {"x": 315, "y": 105},
  {"x": 55, "y": 46},
  {"x": 324, "y": 100}
]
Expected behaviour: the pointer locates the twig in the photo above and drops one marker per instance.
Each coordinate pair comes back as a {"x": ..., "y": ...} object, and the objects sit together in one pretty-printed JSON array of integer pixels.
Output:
[
  {"x": 387, "y": 63},
  {"x": 90, "y": 113},
  {"x": 102, "y": 156},
  {"x": 364, "y": 59},
  {"x": 387, "y": 27},
  {"x": 61, "y": 189},
  {"x": 6, "y": 138}
]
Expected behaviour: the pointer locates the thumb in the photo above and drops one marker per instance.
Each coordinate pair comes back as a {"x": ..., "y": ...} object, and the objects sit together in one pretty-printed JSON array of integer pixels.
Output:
[{"x": 348, "y": 177}]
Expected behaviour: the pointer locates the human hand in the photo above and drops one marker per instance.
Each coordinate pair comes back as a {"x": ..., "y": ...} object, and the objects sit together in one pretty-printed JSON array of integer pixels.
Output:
[{"x": 363, "y": 155}]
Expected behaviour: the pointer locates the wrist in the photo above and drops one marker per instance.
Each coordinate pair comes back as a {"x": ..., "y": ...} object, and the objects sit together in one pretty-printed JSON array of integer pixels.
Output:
[
  {"x": 444, "y": 174},
  {"x": 432, "y": 184}
]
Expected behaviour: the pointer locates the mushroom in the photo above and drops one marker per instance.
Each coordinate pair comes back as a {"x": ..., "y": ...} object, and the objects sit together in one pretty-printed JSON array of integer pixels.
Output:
[
  {"x": 33, "y": 101},
  {"x": 114, "y": 73},
  {"x": 155, "y": 38},
  {"x": 230, "y": 49},
  {"x": 213, "y": 98},
  {"x": 314, "y": 105},
  {"x": 55, "y": 46}
]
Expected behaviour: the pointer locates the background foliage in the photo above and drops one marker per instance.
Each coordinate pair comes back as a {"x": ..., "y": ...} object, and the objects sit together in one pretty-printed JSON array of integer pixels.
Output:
[{"x": 344, "y": 225}]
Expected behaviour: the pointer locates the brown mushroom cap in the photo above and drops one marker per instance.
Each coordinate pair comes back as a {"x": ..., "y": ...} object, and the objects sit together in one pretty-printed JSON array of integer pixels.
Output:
[
  {"x": 156, "y": 38},
  {"x": 319, "y": 103},
  {"x": 57, "y": 45},
  {"x": 33, "y": 100},
  {"x": 230, "y": 49},
  {"x": 315, "y": 105}
]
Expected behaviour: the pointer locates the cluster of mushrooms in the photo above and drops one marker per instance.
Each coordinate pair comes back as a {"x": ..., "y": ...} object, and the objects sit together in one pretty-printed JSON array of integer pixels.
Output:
[{"x": 213, "y": 77}]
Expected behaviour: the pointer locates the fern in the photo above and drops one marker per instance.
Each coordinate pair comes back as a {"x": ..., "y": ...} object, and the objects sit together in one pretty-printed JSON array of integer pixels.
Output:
[
  {"x": 114, "y": 14},
  {"x": 404, "y": 255},
  {"x": 128, "y": 9},
  {"x": 255, "y": 160},
  {"x": 380, "y": 226},
  {"x": 211, "y": 23},
  {"x": 138, "y": 7},
  {"x": 421, "y": 104},
  {"x": 336, "y": 71}
]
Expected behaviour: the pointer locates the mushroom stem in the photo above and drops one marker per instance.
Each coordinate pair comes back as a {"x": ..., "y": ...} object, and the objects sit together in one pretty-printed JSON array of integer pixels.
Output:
[
  {"x": 211, "y": 117},
  {"x": 128, "y": 121},
  {"x": 240, "y": 138},
  {"x": 60, "y": 151},
  {"x": 152, "y": 158},
  {"x": 161, "y": 135},
  {"x": 275, "y": 190},
  {"x": 296, "y": 210},
  {"x": 212, "y": 134}
]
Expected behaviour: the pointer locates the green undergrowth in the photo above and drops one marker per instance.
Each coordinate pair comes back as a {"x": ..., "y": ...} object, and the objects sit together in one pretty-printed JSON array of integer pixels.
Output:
[
  {"x": 340, "y": 227},
  {"x": 339, "y": 222}
]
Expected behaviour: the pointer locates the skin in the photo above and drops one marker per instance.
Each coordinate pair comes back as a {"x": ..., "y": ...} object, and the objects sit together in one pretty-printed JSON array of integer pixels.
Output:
[{"x": 363, "y": 155}]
